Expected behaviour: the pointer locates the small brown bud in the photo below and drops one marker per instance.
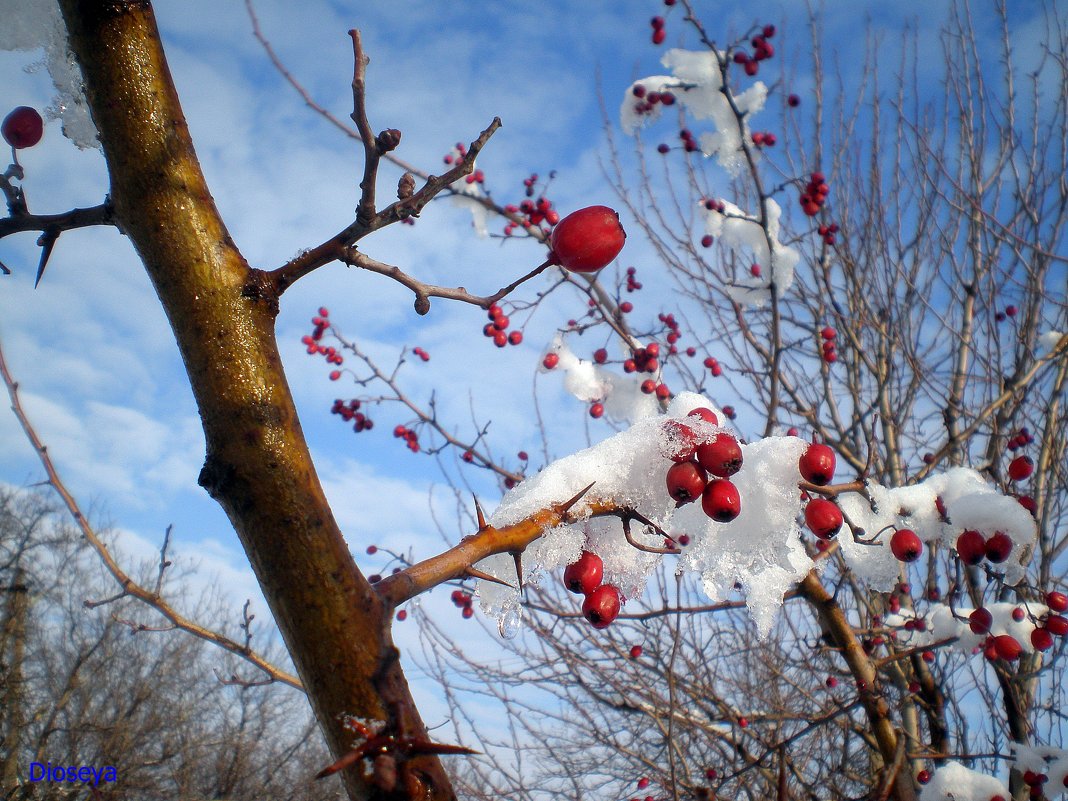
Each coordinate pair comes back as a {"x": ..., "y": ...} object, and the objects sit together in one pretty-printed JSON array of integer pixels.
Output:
[
  {"x": 388, "y": 140},
  {"x": 406, "y": 186}
]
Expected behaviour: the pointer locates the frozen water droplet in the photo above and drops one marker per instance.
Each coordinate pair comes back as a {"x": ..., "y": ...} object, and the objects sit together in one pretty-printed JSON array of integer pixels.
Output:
[{"x": 510, "y": 623}]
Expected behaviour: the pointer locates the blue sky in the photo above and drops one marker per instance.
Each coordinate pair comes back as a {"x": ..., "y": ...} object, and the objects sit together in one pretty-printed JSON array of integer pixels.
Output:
[{"x": 100, "y": 374}]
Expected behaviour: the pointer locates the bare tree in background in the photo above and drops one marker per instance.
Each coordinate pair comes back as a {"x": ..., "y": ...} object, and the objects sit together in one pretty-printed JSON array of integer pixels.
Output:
[{"x": 98, "y": 687}]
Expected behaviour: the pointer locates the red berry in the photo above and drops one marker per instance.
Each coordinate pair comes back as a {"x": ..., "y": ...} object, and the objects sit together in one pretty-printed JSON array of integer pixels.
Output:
[
  {"x": 515, "y": 337},
  {"x": 600, "y": 356},
  {"x": 1057, "y": 601},
  {"x": 584, "y": 575},
  {"x": 685, "y": 482},
  {"x": 971, "y": 547},
  {"x": 601, "y": 606},
  {"x": 682, "y": 441},
  {"x": 828, "y": 333},
  {"x": 1006, "y": 647},
  {"x": 1018, "y": 614},
  {"x": 467, "y": 613},
  {"x": 402, "y": 615},
  {"x": 335, "y": 375},
  {"x": 905, "y": 545},
  {"x": 597, "y": 410},
  {"x": 23, "y": 127},
  {"x": 1057, "y": 625},
  {"x": 1041, "y": 640},
  {"x": 721, "y": 456},
  {"x": 705, "y": 414},
  {"x": 793, "y": 101},
  {"x": 706, "y": 241},
  {"x": 923, "y": 776},
  {"x": 550, "y": 361},
  {"x": 823, "y": 517},
  {"x": 635, "y": 651},
  {"x": 980, "y": 620},
  {"x": 1021, "y": 467},
  {"x": 817, "y": 464},
  {"x": 659, "y": 35},
  {"x": 588, "y": 239},
  {"x": 648, "y": 386},
  {"x": 643, "y": 782},
  {"x": 998, "y": 547},
  {"x": 721, "y": 501}
]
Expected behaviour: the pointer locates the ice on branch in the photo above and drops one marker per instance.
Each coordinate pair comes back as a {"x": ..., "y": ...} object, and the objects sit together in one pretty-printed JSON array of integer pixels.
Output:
[
  {"x": 761, "y": 551},
  {"x": 1049, "y": 340},
  {"x": 621, "y": 394},
  {"x": 34, "y": 24},
  {"x": 696, "y": 83},
  {"x": 954, "y": 782},
  {"x": 945, "y": 623},
  {"x": 1052, "y": 762},
  {"x": 466, "y": 196},
  {"x": 970, "y": 503},
  {"x": 744, "y": 234}
]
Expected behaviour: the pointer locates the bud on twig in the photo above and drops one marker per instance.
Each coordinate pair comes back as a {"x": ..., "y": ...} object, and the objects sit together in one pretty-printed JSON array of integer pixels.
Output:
[
  {"x": 406, "y": 186},
  {"x": 388, "y": 140}
]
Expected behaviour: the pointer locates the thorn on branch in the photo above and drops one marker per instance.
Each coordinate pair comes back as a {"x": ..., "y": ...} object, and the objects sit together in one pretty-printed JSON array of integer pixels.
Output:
[
  {"x": 47, "y": 241},
  {"x": 475, "y": 573}
]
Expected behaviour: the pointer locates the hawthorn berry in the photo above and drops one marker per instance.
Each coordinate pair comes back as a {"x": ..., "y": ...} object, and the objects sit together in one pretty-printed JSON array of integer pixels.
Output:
[
  {"x": 1057, "y": 625},
  {"x": 22, "y": 127},
  {"x": 721, "y": 456},
  {"x": 1021, "y": 467},
  {"x": 817, "y": 464},
  {"x": 550, "y": 361},
  {"x": 980, "y": 620},
  {"x": 1057, "y": 601},
  {"x": 971, "y": 547},
  {"x": 720, "y": 500},
  {"x": 1041, "y": 640},
  {"x": 998, "y": 547},
  {"x": 584, "y": 575},
  {"x": 587, "y": 240},
  {"x": 823, "y": 517},
  {"x": 906, "y": 545},
  {"x": 1007, "y": 647},
  {"x": 685, "y": 482},
  {"x": 705, "y": 414},
  {"x": 601, "y": 606},
  {"x": 635, "y": 651}
]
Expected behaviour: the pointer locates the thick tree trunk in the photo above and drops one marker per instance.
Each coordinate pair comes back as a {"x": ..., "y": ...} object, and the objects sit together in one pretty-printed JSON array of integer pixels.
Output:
[{"x": 258, "y": 466}]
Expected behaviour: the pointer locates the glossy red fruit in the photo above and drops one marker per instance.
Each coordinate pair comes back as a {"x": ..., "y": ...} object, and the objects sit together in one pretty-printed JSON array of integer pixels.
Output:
[
  {"x": 906, "y": 545},
  {"x": 23, "y": 127},
  {"x": 597, "y": 410},
  {"x": 584, "y": 575},
  {"x": 923, "y": 776},
  {"x": 721, "y": 501},
  {"x": 1021, "y": 467},
  {"x": 998, "y": 547},
  {"x": 980, "y": 620},
  {"x": 635, "y": 651},
  {"x": 1057, "y": 625},
  {"x": 721, "y": 456},
  {"x": 685, "y": 482},
  {"x": 823, "y": 517},
  {"x": 587, "y": 240},
  {"x": 705, "y": 414},
  {"x": 1057, "y": 601},
  {"x": 1007, "y": 647},
  {"x": 550, "y": 361},
  {"x": 1041, "y": 640},
  {"x": 971, "y": 547},
  {"x": 601, "y": 606},
  {"x": 817, "y": 464},
  {"x": 681, "y": 441}
]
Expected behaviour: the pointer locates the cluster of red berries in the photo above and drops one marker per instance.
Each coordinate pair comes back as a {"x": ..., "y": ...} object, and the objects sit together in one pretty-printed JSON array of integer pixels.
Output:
[
  {"x": 763, "y": 139},
  {"x": 712, "y": 204},
  {"x": 659, "y": 34},
  {"x": 601, "y": 602},
  {"x": 762, "y": 50},
  {"x": 650, "y": 387},
  {"x": 1020, "y": 439},
  {"x": 815, "y": 195},
  {"x": 695, "y": 457},
  {"x": 713, "y": 367},
  {"x": 464, "y": 601},
  {"x": 673, "y": 331},
  {"x": 410, "y": 437},
  {"x": 828, "y": 232},
  {"x": 1010, "y": 311},
  {"x": 689, "y": 144},
  {"x": 643, "y": 360},
  {"x": 633, "y": 284},
  {"x": 647, "y": 101},
  {"x": 535, "y": 212},
  {"x": 497, "y": 328},
  {"x": 22, "y": 127},
  {"x": 312, "y": 346},
  {"x": 830, "y": 352},
  {"x": 349, "y": 412},
  {"x": 972, "y": 547},
  {"x": 1034, "y": 782}
]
